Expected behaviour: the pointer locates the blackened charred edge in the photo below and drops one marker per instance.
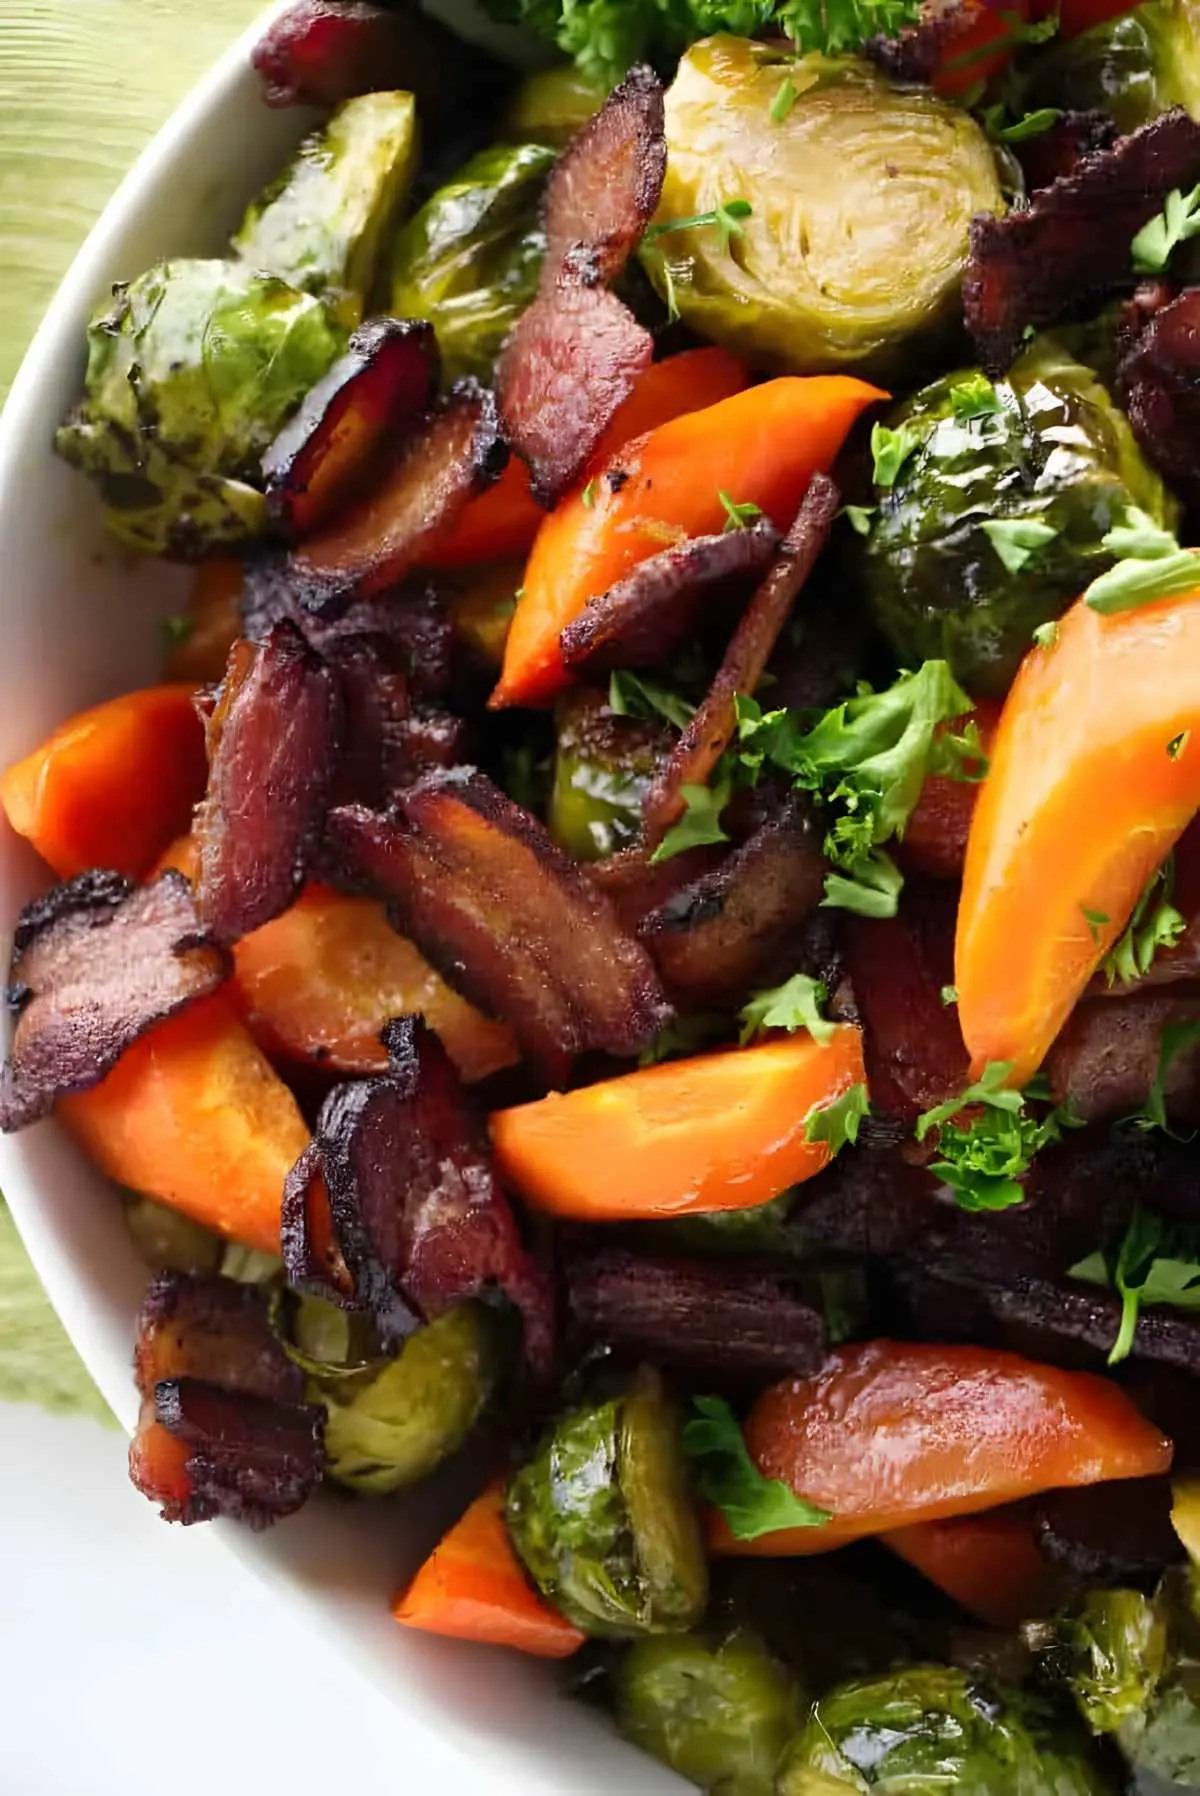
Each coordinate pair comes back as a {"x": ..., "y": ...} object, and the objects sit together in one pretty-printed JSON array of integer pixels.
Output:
[
  {"x": 252, "y": 1460},
  {"x": 303, "y": 1264},
  {"x": 219, "y": 1330},
  {"x": 97, "y": 890}
]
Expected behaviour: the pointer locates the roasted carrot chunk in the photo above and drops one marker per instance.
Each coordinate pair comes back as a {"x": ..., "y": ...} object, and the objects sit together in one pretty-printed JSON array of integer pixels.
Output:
[{"x": 990, "y": 1563}]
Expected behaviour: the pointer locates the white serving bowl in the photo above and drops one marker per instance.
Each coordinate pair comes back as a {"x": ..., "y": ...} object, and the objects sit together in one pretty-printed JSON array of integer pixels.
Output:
[{"x": 79, "y": 622}]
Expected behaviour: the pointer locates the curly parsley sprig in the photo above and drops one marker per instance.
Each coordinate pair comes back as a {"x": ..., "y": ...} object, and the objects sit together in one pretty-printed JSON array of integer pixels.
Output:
[{"x": 984, "y": 1156}]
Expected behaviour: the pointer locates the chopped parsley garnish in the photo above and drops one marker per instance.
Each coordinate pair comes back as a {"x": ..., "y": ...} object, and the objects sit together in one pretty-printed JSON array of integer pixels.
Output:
[
  {"x": 587, "y": 497},
  {"x": 725, "y": 218},
  {"x": 785, "y": 98},
  {"x": 1149, "y": 565},
  {"x": 1095, "y": 920},
  {"x": 860, "y": 517},
  {"x": 890, "y": 450},
  {"x": 838, "y": 1122},
  {"x": 1155, "y": 1263},
  {"x": 686, "y": 1035},
  {"x": 738, "y": 517},
  {"x": 837, "y": 26},
  {"x": 949, "y": 995},
  {"x": 1046, "y": 635},
  {"x": 1155, "y": 924},
  {"x": 700, "y": 823},
  {"x": 1175, "y": 1038},
  {"x": 725, "y": 1476},
  {"x": 636, "y": 695},
  {"x": 974, "y": 397},
  {"x": 983, "y": 1158},
  {"x": 1001, "y": 129},
  {"x": 1017, "y": 540},
  {"x": 1178, "y": 221},
  {"x": 796, "y": 1004}
]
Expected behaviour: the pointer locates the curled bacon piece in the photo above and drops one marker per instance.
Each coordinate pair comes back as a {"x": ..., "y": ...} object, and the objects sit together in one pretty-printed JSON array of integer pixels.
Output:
[
  {"x": 311, "y": 1256},
  {"x": 410, "y": 619},
  {"x": 645, "y": 618},
  {"x": 506, "y": 917},
  {"x": 388, "y": 375},
  {"x": 223, "y": 1429},
  {"x": 636, "y": 886},
  {"x": 453, "y": 453},
  {"x": 272, "y": 745},
  {"x": 707, "y": 736},
  {"x": 416, "y": 1210},
  {"x": 719, "y": 1318},
  {"x": 732, "y": 928},
  {"x": 606, "y": 186},
  {"x": 95, "y": 963},
  {"x": 577, "y": 350},
  {"x": 1053, "y": 154},
  {"x": 1158, "y": 382},
  {"x": 1070, "y": 246}
]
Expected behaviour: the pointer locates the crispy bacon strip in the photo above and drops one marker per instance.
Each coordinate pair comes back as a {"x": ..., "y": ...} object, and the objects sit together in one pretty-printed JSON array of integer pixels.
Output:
[
  {"x": 453, "y": 453},
  {"x": 506, "y": 917},
  {"x": 719, "y": 1318},
  {"x": 1069, "y": 247},
  {"x": 606, "y": 186},
  {"x": 416, "y": 1209},
  {"x": 388, "y": 376},
  {"x": 409, "y": 618},
  {"x": 731, "y": 929},
  {"x": 571, "y": 361},
  {"x": 96, "y": 963},
  {"x": 1058, "y": 152},
  {"x": 708, "y": 734},
  {"x": 645, "y": 618},
  {"x": 1158, "y": 382},
  {"x": 636, "y": 886},
  {"x": 223, "y": 1429},
  {"x": 272, "y": 748},
  {"x": 312, "y": 1258}
]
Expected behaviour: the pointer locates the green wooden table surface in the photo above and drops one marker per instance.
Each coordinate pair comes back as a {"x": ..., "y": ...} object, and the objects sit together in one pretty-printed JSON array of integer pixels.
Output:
[{"x": 84, "y": 85}]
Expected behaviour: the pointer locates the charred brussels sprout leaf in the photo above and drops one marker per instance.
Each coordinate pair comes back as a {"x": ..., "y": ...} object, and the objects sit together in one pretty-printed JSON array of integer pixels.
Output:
[
  {"x": 927, "y": 1728},
  {"x": 603, "y": 767},
  {"x": 718, "y": 1710},
  {"x": 953, "y": 566},
  {"x": 859, "y": 201},
  {"x": 390, "y": 1422},
  {"x": 190, "y": 375},
  {"x": 604, "y": 1521},
  {"x": 321, "y": 224},
  {"x": 551, "y": 105},
  {"x": 470, "y": 259},
  {"x": 1134, "y": 68}
]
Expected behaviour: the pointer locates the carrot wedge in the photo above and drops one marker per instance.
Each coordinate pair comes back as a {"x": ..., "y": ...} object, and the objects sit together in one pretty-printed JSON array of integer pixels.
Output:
[
  {"x": 891, "y": 1433},
  {"x": 472, "y": 1587},
  {"x": 193, "y": 1115},
  {"x": 720, "y": 1132},
  {"x": 111, "y": 787},
  {"x": 990, "y": 1563},
  {"x": 761, "y": 447},
  {"x": 1095, "y": 772}
]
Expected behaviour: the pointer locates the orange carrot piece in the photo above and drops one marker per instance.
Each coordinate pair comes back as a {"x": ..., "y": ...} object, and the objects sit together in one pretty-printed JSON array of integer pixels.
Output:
[
  {"x": 503, "y": 521},
  {"x": 320, "y": 982},
  {"x": 720, "y": 1132},
  {"x": 194, "y": 1116},
  {"x": 990, "y": 1563},
  {"x": 762, "y": 446},
  {"x": 1084, "y": 799},
  {"x": 472, "y": 1587},
  {"x": 211, "y": 624},
  {"x": 890, "y": 1433},
  {"x": 111, "y": 787}
]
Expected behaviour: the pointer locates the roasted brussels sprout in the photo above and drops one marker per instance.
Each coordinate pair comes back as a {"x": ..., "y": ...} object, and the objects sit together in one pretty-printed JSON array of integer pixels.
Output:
[
  {"x": 604, "y": 1521},
  {"x": 471, "y": 257},
  {"x": 552, "y": 104},
  {"x": 321, "y": 224},
  {"x": 1134, "y": 67},
  {"x": 859, "y": 201},
  {"x": 929, "y": 1728},
  {"x": 390, "y": 1422},
  {"x": 168, "y": 1242},
  {"x": 191, "y": 373},
  {"x": 603, "y": 766},
  {"x": 993, "y": 523},
  {"x": 719, "y": 1710}
]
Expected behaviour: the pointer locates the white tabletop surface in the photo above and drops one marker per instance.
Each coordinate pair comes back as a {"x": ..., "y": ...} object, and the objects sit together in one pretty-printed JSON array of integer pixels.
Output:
[{"x": 142, "y": 1660}]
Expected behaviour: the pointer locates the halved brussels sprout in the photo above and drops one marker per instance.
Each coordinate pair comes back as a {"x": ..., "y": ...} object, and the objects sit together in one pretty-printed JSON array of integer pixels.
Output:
[
  {"x": 603, "y": 767},
  {"x": 550, "y": 105},
  {"x": 926, "y": 1729},
  {"x": 860, "y": 200},
  {"x": 604, "y": 1521},
  {"x": 470, "y": 259},
  {"x": 168, "y": 1242},
  {"x": 191, "y": 373},
  {"x": 993, "y": 523},
  {"x": 321, "y": 224},
  {"x": 389, "y": 1423},
  {"x": 1134, "y": 67},
  {"x": 719, "y": 1710}
]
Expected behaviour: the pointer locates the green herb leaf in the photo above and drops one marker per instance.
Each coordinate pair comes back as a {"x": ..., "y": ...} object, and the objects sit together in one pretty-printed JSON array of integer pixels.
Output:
[
  {"x": 785, "y": 98},
  {"x": 1140, "y": 538},
  {"x": 860, "y": 517},
  {"x": 1001, "y": 129},
  {"x": 974, "y": 397},
  {"x": 983, "y": 1159},
  {"x": 685, "y": 1036},
  {"x": 1155, "y": 1263},
  {"x": 726, "y": 218},
  {"x": 700, "y": 823},
  {"x": 1017, "y": 540},
  {"x": 949, "y": 995},
  {"x": 1179, "y": 220},
  {"x": 1177, "y": 744},
  {"x": 1016, "y": 31},
  {"x": 838, "y": 1123},
  {"x": 738, "y": 517},
  {"x": 636, "y": 695},
  {"x": 1046, "y": 635},
  {"x": 1095, "y": 920},
  {"x": 1155, "y": 924},
  {"x": 1174, "y": 1039},
  {"x": 796, "y": 1004},
  {"x": 727, "y": 1477},
  {"x": 1133, "y": 583},
  {"x": 587, "y": 497},
  {"x": 835, "y": 27},
  {"x": 891, "y": 449}
]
